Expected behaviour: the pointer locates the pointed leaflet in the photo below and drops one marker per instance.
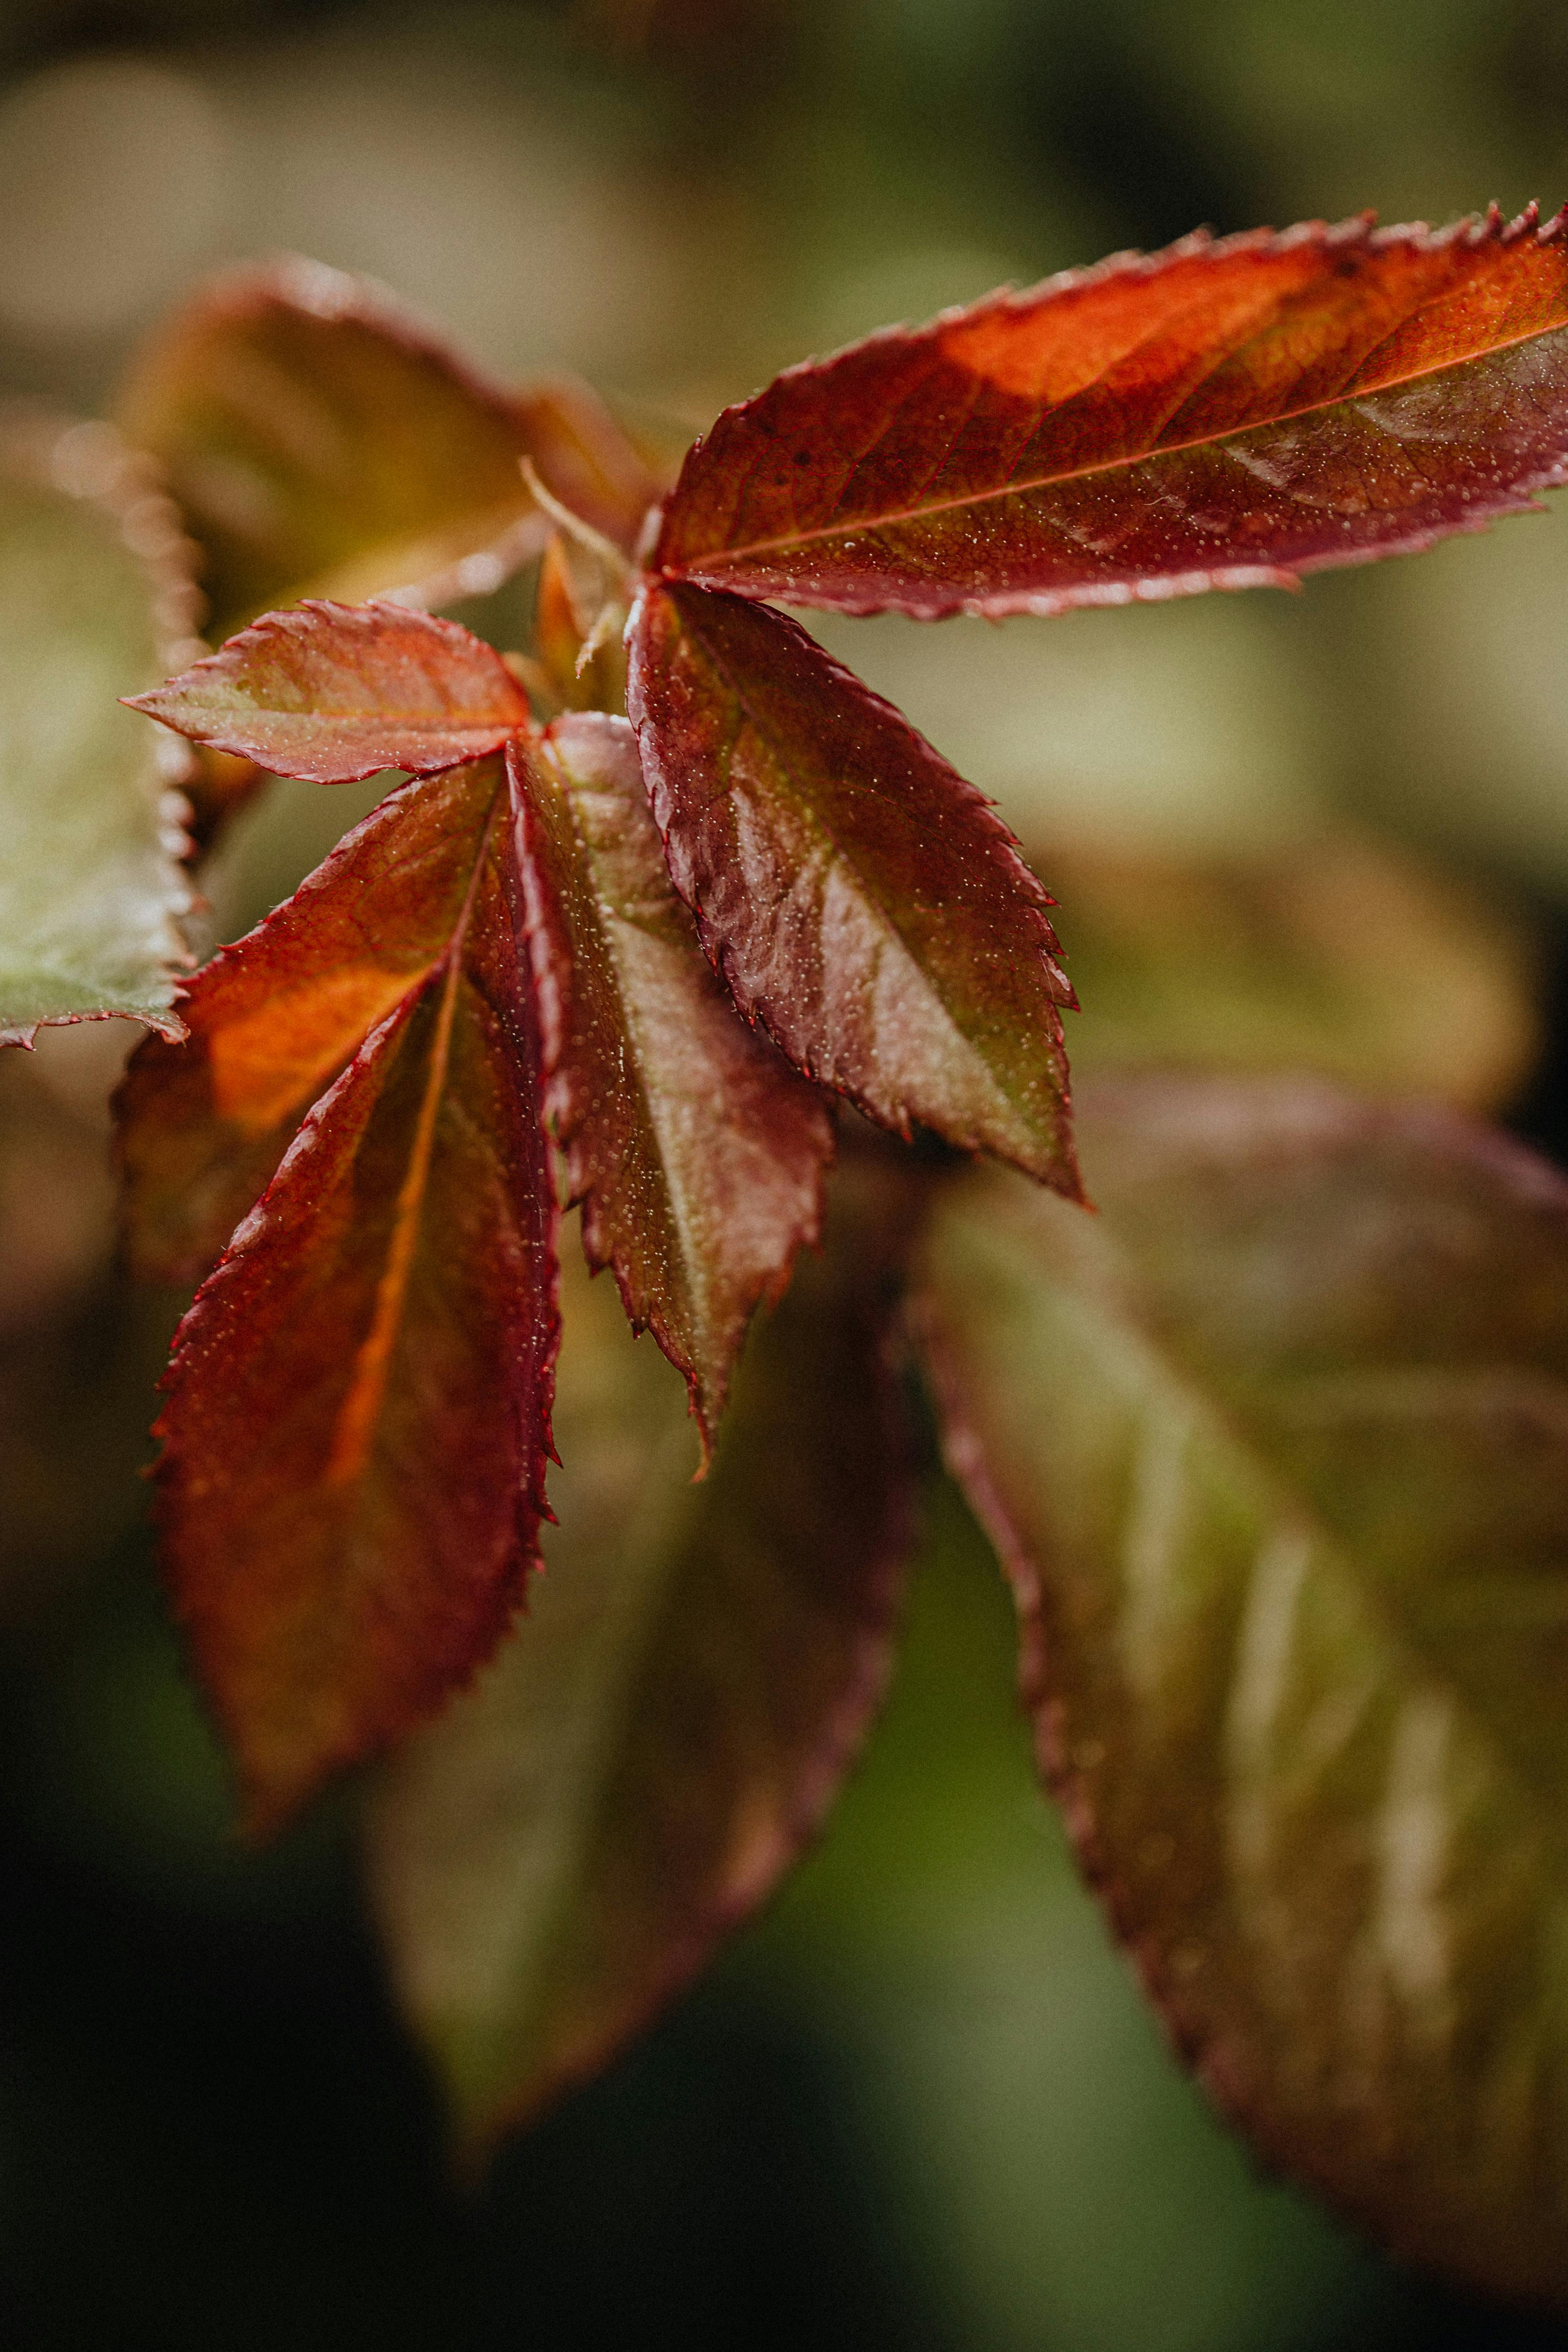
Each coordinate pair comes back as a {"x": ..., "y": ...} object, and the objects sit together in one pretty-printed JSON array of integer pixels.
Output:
[
  {"x": 357, "y": 1413},
  {"x": 95, "y": 600},
  {"x": 697, "y": 1152},
  {"x": 1219, "y": 415},
  {"x": 321, "y": 442},
  {"x": 562, "y": 1851},
  {"x": 862, "y": 900},
  {"x": 1277, "y": 1452},
  {"x": 336, "y": 692},
  {"x": 274, "y": 1019}
]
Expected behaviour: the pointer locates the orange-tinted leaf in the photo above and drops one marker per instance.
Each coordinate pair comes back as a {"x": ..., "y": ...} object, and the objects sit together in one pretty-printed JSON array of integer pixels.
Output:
[
  {"x": 579, "y": 629},
  {"x": 321, "y": 442},
  {"x": 1276, "y": 1449},
  {"x": 273, "y": 1020},
  {"x": 862, "y": 900},
  {"x": 219, "y": 783},
  {"x": 564, "y": 1850},
  {"x": 1219, "y": 415},
  {"x": 696, "y": 1151},
  {"x": 358, "y": 1405},
  {"x": 583, "y": 458},
  {"x": 335, "y": 692}
]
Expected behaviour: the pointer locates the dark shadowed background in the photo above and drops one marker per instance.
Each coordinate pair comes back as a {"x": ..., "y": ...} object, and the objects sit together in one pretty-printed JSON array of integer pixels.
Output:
[{"x": 921, "y": 2104}]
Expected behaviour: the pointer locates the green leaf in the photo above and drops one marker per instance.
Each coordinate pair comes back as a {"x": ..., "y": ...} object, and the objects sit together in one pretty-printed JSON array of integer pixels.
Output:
[
  {"x": 95, "y": 602},
  {"x": 1276, "y": 1449},
  {"x": 556, "y": 1858}
]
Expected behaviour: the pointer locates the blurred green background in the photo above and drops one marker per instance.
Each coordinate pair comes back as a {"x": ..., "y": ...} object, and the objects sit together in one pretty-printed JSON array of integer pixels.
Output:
[{"x": 921, "y": 2104}]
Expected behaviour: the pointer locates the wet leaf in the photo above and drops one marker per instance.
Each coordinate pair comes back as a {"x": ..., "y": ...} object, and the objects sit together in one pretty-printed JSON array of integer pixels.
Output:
[
  {"x": 696, "y": 1151},
  {"x": 1335, "y": 954},
  {"x": 862, "y": 900},
  {"x": 1222, "y": 415},
  {"x": 273, "y": 1020},
  {"x": 357, "y": 1414},
  {"x": 322, "y": 443},
  {"x": 1276, "y": 1449},
  {"x": 337, "y": 692},
  {"x": 557, "y": 1857},
  {"x": 95, "y": 600}
]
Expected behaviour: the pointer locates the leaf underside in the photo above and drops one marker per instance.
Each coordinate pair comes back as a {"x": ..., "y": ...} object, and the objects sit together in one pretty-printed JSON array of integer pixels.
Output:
[
  {"x": 863, "y": 903},
  {"x": 697, "y": 1152},
  {"x": 95, "y": 598},
  {"x": 321, "y": 443},
  {"x": 1221, "y": 414},
  {"x": 357, "y": 1415},
  {"x": 337, "y": 692},
  {"x": 1276, "y": 1451},
  {"x": 563, "y": 1851}
]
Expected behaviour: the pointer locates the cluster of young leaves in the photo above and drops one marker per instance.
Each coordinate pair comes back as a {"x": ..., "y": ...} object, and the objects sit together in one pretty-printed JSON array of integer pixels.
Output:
[{"x": 1268, "y": 1447}]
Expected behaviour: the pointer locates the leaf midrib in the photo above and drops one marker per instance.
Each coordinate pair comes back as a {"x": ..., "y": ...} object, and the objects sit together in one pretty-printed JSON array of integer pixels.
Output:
[
  {"x": 353, "y": 1432},
  {"x": 695, "y": 567}
]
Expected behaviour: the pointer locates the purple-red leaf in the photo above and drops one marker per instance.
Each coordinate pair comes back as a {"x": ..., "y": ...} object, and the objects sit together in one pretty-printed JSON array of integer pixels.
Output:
[
  {"x": 697, "y": 1152},
  {"x": 862, "y": 901},
  {"x": 1218, "y": 415},
  {"x": 564, "y": 1850},
  {"x": 321, "y": 442},
  {"x": 274, "y": 1019},
  {"x": 335, "y": 692},
  {"x": 358, "y": 1406}
]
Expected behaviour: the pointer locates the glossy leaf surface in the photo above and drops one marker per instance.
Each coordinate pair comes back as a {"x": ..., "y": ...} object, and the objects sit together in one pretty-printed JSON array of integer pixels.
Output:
[
  {"x": 1218, "y": 415},
  {"x": 1275, "y": 1451},
  {"x": 1334, "y": 954},
  {"x": 562, "y": 1853},
  {"x": 273, "y": 1020},
  {"x": 358, "y": 1405},
  {"x": 322, "y": 443},
  {"x": 697, "y": 1152},
  {"x": 336, "y": 692},
  {"x": 862, "y": 901},
  {"x": 95, "y": 600}
]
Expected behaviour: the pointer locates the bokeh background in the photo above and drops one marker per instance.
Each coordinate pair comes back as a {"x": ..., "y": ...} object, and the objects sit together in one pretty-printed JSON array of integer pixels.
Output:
[{"x": 921, "y": 2104}]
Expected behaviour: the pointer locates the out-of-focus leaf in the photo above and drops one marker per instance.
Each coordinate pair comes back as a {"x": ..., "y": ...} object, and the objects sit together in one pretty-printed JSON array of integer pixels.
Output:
[
  {"x": 78, "y": 1351},
  {"x": 862, "y": 900},
  {"x": 95, "y": 602},
  {"x": 358, "y": 1404},
  {"x": 699, "y": 1663},
  {"x": 1335, "y": 955},
  {"x": 336, "y": 692},
  {"x": 697, "y": 1152},
  {"x": 273, "y": 1020},
  {"x": 579, "y": 627},
  {"x": 1218, "y": 415},
  {"x": 321, "y": 443},
  {"x": 1276, "y": 1449},
  {"x": 218, "y": 784}
]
